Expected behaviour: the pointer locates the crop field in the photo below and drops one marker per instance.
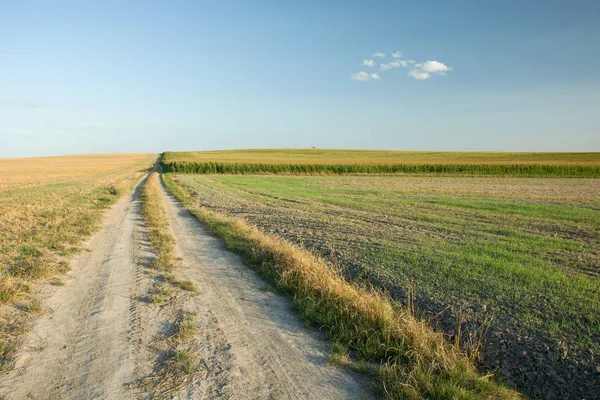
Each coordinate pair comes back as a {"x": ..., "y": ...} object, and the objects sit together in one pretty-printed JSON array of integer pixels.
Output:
[
  {"x": 435, "y": 275},
  {"x": 49, "y": 205},
  {"x": 512, "y": 260},
  {"x": 343, "y": 162}
]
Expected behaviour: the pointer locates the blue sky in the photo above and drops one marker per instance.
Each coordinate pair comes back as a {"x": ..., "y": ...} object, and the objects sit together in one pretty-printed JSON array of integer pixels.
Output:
[{"x": 120, "y": 76}]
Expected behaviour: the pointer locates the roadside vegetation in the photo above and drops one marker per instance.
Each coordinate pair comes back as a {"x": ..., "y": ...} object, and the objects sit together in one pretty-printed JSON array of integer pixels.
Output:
[
  {"x": 153, "y": 211},
  {"x": 416, "y": 361},
  {"x": 342, "y": 162},
  {"x": 49, "y": 206},
  {"x": 178, "y": 363},
  {"x": 161, "y": 241}
]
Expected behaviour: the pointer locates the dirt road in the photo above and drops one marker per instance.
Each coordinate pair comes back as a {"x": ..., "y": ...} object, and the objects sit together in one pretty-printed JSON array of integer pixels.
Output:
[{"x": 98, "y": 330}]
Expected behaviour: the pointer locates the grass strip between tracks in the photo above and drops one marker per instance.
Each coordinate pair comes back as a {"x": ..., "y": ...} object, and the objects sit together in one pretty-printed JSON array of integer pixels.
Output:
[
  {"x": 153, "y": 211},
  {"x": 416, "y": 362},
  {"x": 179, "y": 358},
  {"x": 161, "y": 240}
]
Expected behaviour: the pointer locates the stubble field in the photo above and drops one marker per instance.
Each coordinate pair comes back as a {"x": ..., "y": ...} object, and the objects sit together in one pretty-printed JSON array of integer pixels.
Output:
[{"x": 516, "y": 256}]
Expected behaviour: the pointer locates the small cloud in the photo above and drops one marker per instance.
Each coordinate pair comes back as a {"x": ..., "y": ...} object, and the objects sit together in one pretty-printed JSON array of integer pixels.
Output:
[
  {"x": 361, "y": 76},
  {"x": 434, "y": 67},
  {"x": 419, "y": 75},
  {"x": 418, "y": 70},
  {"x": 364, "y": 76},
  {"x": 394, "y": 64},
  {"x": 423, "y": 71}
]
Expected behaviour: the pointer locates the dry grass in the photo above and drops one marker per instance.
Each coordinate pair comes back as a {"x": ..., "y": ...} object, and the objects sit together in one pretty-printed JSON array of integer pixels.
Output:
[
  {"x": 20, "y": 173},
  {"x": 416, "y": 362},
  {"x": 162, "y": 241},
  {"x": 153, "y": 211},
  {"x": 49, "y": 205}
]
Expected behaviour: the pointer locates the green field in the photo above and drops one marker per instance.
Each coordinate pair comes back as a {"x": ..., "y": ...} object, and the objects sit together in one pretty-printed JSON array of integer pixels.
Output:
[
  {"x": 523, "y": 251},
  {"x": 313, "y": 161}
]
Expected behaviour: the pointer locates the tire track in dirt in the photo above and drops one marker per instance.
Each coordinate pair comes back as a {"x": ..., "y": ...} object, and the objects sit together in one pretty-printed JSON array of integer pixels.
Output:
[{"x": 266, "y": 351}]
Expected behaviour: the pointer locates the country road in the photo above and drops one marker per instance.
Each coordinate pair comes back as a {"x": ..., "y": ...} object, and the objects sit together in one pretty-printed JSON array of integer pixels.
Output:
[{"x": 96, "y": 335}]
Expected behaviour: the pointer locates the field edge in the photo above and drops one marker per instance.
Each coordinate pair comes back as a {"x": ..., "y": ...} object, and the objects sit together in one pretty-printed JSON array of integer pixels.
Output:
[{"x": 415, "y": 361}]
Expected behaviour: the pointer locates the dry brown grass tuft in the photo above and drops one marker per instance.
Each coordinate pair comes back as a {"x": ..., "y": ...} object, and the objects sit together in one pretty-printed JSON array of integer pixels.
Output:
[{"x": 180, "y": 362}]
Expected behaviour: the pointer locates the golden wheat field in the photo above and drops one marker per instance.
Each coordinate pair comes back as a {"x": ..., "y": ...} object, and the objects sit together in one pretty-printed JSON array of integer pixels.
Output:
[
  {"x": 335, "y": 156},
  {"x": 49, "y": 204}
]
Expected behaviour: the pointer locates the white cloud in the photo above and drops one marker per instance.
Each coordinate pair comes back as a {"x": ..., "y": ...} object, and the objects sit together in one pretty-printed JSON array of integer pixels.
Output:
[
  {"x": 419, "y": 75},
  {"x": 394, "y": 64},
  {"x": 423, "y": 71},
  {"x": 364, "y": 76},
  {"x": 360, "y": 76},
  {"x": 434, "y": 67},
  {"x": 418, "y": 70}
]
